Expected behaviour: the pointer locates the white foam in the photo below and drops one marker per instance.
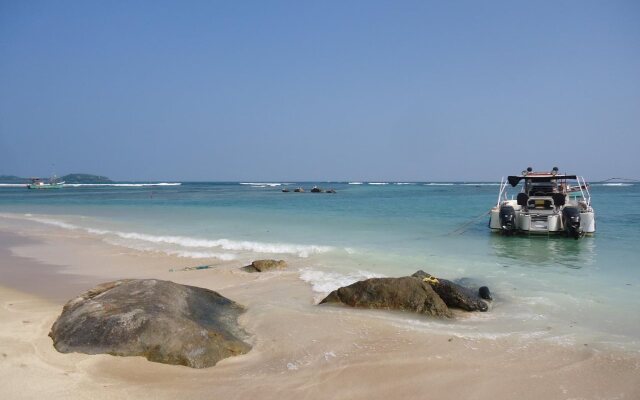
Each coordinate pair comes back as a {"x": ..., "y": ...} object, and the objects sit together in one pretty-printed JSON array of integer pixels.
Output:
[
  {"x": 617, "y": 184},
  {"x": 123, "y": 184},
  {"x": 404, "y": 183},
  {"x": 13, "y": 185},
  {"x": 261, "y": 184},
  {"x": 378, "y": 183},
  {"x": 203, "y": 254},
  {"x": 439, "y": 184},
  {"x": 327, "y": 281},
  {"x": 226, "y": 244},
  {"x": 355, "y": 183},
  {"x": 197, "y": 243},
  {"x": 53, "y": 222}
]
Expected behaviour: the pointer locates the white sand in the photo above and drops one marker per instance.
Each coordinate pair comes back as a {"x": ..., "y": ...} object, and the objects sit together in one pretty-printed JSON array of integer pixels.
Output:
[{"x": 300, "y": 350}]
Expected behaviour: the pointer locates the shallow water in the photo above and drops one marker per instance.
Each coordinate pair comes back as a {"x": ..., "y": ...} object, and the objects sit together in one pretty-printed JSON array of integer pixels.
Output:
[{"x": 552, "y": 288}]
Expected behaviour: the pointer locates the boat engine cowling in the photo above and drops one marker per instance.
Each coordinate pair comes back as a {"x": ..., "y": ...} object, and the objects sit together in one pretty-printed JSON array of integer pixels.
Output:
[
  {"x": 571, "y": 221},
  {"x": 508, "y": 219}
]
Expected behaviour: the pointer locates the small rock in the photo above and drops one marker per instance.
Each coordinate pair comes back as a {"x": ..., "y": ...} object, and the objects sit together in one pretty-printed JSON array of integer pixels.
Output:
[
  {"x": 265, "y": 265},
  {"x": 456, "y": 296},
  {"x": 484, "y": 293}
]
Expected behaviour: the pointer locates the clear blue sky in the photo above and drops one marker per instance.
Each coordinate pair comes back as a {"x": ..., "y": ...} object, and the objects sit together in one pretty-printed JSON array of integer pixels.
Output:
[{"x": 325, "y": 90}]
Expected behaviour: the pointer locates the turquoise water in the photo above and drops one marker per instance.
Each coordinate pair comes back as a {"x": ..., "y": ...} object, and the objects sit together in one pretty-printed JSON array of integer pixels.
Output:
[{"x": 565, "y": 290}]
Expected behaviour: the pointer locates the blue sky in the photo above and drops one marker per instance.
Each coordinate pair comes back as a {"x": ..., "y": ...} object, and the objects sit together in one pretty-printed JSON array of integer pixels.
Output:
[{"x": 331, "y": 90}]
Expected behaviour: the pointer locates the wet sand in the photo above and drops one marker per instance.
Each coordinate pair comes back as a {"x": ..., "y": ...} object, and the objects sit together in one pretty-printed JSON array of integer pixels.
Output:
[{"x": 300, "y": 350}]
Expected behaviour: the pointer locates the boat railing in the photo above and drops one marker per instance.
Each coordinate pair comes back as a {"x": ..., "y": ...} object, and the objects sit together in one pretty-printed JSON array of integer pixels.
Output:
[
  {"x": 584, "y": 190},
  {"x": 502, "y": 193}
]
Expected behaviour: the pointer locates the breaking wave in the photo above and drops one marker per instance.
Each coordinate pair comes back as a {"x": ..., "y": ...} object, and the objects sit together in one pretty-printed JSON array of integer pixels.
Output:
[
  {"x": 324, "y": 282},
  {"x": 123, "y": 184},
  {"x": 261, "y": 184},
  {"x": 189, "y": 246}
]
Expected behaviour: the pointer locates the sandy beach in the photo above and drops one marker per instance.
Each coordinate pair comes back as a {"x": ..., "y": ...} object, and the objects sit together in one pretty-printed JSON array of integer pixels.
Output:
[{"x": 300, "y": 350}]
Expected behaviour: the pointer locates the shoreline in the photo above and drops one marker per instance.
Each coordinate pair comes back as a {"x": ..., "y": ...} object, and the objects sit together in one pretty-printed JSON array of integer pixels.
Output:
[{"x": 299, "y": 349}]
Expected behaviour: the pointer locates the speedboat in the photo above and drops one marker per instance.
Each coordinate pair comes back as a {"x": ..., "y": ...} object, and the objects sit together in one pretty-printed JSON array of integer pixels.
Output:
[{"x": 548, "y": 203}]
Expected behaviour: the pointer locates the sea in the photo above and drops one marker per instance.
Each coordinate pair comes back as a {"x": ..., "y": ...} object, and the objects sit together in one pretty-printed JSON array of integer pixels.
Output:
[{"x": 571, "y": 292}]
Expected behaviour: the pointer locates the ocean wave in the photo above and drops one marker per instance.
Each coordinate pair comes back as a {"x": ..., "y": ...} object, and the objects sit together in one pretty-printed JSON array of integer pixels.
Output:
[
  {"x": 203, "y": 254},
  {"x": 260, "y": 184},
  {"x": 324, "y": 282},
  {"x": 13, "y": 185},
  {"x": 355, "y": 183},
  {"x": 171, "y": 252},
  {"x": 303, "y": 251},
  {"x": 616, "y": 184},
  {"x": 480, "y": 184},
  {"x": 378, "y": 183},
  {"x": 53, "y": 222},
  {"x": 439, "y": 184},
  {"x": 123, "y": 184},
  {"x": 404, "y": 183}
]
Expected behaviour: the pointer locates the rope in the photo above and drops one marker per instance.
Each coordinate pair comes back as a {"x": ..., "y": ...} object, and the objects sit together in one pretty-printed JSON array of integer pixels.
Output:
[{"x": 464, "y": 227}]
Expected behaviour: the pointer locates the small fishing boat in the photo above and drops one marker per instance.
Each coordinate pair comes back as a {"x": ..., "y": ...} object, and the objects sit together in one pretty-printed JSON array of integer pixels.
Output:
[
  {"x": 52, "y": 183},
  {"x": 548, "y": 203}
]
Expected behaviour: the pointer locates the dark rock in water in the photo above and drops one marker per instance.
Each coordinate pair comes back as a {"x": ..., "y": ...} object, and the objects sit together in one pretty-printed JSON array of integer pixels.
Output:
[
  {"x": 316, "y": 189},
  {"x": 285, "y": 190},
  {"x": 299, "y": 190},
  {"x": 455, "y": 295},
  {"x": 265, "y": 265},
  {"x": 484, "y": 293},
  {"x": 160, "y": 320},
  {"x": 331, "y": 191},
  {"x": 406, "y": 293}
]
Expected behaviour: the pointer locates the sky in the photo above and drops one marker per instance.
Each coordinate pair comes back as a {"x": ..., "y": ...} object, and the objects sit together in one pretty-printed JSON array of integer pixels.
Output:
[{"x": 325, "y": 90}]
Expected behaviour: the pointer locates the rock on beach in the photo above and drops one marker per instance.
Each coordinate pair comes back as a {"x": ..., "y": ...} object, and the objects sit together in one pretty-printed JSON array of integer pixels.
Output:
[
  {"x": 163, "y": 321},
  {"x": 405, "y": 293},
  {"x": 266, "y": 265}
]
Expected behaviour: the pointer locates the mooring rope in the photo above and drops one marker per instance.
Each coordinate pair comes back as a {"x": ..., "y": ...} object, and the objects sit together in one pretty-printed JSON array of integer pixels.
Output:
[{"x": 464, "y": 227}]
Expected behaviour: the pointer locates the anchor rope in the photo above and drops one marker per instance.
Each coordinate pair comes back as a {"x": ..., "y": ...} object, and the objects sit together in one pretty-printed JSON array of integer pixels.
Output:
[{"x": 464, "y": 227}]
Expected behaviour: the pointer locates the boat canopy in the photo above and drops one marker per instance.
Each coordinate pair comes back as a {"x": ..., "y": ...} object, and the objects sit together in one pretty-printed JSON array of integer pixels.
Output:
[{"x": 515, "y": 179}]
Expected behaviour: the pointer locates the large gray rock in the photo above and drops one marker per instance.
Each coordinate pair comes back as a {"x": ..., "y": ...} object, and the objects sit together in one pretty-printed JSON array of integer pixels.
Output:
[
  {"x": 406, "y": 293},
  {"x": 160, "y": 320},
  {"x": 452, "y": 294},
  {"x": 265, "y": 265}
]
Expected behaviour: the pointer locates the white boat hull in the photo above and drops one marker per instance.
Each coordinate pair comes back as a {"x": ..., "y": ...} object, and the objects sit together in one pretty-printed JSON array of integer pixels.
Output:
[{"x": 540, "y": 222}]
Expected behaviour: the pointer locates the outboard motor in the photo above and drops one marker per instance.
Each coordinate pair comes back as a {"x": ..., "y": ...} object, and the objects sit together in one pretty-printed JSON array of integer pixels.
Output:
[
  {"x": 571, "y": 222},
  {"x": 507, "y": 220}
]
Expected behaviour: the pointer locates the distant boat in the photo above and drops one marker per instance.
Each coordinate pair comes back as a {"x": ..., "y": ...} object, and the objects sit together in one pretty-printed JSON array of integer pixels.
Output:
[{"x": 52, "y": 183}]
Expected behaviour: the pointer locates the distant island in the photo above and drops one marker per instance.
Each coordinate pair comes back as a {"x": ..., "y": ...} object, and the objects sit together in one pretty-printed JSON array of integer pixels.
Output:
[{"x": 69, "y": 178}]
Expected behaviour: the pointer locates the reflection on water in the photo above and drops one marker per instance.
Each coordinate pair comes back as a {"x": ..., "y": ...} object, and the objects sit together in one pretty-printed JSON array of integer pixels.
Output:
[{"x": 543, "y": 251}]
